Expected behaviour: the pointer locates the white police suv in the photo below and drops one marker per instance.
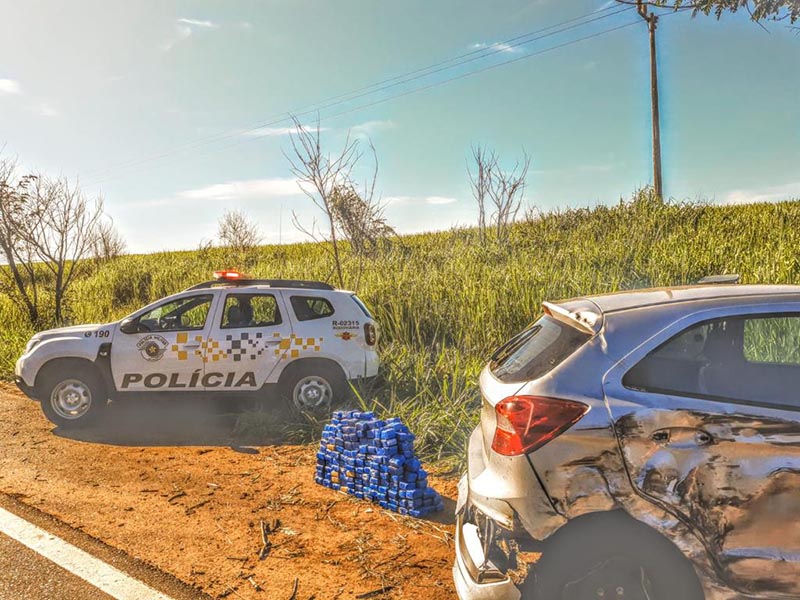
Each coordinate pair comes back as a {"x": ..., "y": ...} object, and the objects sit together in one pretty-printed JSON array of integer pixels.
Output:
[{"x": 232, "y": 336}]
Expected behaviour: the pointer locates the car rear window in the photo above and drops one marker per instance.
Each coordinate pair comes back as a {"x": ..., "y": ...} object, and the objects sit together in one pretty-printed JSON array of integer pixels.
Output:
[
  {"x": 536, "y": 351},
  {"x": 308, "y": 308},
  {"x": 362, "y": 306}
]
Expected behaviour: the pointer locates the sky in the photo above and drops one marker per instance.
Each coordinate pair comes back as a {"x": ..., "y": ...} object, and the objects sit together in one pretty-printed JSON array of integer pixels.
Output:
[{"x": 156, "y": 105}]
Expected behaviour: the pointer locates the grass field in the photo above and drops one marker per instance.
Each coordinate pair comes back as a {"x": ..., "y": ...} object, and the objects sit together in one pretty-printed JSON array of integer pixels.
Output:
[{"x": 444, "y": 302}]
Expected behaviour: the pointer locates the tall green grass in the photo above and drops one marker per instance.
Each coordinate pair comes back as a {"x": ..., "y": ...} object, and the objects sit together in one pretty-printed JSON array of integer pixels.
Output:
[{"x": 444, "y": 302}]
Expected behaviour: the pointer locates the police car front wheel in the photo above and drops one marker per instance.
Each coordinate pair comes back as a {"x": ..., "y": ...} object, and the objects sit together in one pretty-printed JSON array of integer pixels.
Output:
[{"x": 74, "y": 399}]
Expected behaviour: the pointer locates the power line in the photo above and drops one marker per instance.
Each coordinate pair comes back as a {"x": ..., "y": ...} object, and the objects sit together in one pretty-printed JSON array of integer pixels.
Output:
[
  {"x": 436, "y": 83},
  {"x": 461, "y": 76},
  {"x": 392, "y": 82},
  {"x": 432, "y": 85}
]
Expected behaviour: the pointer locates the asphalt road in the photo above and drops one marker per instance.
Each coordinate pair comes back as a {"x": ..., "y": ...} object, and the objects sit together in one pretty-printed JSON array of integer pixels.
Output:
[{"x": 24, "y": 575}]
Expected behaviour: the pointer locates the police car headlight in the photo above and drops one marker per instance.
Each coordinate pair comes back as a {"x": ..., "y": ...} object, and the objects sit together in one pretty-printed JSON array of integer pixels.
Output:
[{"x": 31, "y": 345}]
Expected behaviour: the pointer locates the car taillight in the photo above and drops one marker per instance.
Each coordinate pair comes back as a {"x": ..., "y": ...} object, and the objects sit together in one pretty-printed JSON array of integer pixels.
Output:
[
  {"x": 370, "y": 334},
  {"x": 525, "y": 423}
]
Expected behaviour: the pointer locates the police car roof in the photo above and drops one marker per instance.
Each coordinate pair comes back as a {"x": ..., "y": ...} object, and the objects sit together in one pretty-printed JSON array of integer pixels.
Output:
[{"x": 273, "y": 283}]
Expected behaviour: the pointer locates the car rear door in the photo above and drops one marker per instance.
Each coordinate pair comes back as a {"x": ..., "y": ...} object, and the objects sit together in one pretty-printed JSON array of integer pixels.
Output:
[
  {"x": 250, "y": 335},
  {"x": 708, "y": 419}
]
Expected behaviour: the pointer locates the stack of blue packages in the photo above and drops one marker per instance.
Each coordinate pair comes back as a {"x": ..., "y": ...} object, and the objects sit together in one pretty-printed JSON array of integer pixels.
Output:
[{"x": 374, "y": 459}]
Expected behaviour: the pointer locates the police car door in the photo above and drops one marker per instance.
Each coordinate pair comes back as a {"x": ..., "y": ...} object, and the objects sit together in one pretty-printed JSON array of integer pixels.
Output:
[
  {"x": 162, "y": 349},
  {"x": 249, "y": 337}
]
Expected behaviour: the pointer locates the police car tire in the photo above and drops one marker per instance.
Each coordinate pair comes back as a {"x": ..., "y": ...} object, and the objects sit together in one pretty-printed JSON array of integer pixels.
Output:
[
  {"x": 329, "y": 373},
  {"x": 82, "y": 375},
  {"x": 615, "y": 539}
]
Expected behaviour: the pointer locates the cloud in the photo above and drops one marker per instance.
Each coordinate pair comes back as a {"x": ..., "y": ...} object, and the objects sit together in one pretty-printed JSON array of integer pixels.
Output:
[
  {"x": 228, "y": 192},
  {"x": 362, "y": 129},
  {"x": 184, "y": 28},
  {"x": 432, "y": 200},
  {"x": 372, "y": 127},
  {"x": 9, "y": 86},
  {"x": 774, "y": 193},
  {"x": 46, "y": 110},
  {"x": 198, "y": 23},
  {"x": 243, "y": 190},
  {"x": 439, "y": 200},
  {"x": 278, "y": 131},
  {"x": 498, "y": 46}
]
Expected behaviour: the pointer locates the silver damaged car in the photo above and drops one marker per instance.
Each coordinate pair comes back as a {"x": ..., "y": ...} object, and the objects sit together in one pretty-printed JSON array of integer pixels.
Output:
[{"x": 643, "y": 445}]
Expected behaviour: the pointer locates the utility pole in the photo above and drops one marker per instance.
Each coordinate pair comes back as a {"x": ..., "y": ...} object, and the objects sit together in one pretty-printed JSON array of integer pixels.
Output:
[{"x": 652, "y": 20}]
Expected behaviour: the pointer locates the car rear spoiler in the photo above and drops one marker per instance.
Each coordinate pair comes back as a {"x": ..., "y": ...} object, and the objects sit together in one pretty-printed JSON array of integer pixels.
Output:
[{"x": 588, "y": 322}]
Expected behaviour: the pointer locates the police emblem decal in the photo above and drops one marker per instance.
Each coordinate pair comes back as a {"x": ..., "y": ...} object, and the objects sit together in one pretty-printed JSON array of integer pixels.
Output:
[{"x": 152, "y": 347}]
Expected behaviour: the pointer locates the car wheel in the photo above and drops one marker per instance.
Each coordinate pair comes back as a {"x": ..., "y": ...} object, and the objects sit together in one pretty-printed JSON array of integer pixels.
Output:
[
  {"x": 613, "y": 557},
  {"x": 314, "y": 390},
  {"x": 72, "y": 397}
]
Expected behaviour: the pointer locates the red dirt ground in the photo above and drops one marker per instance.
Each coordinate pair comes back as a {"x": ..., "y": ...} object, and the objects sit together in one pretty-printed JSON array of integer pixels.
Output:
[{"x": 170, "y": 486}]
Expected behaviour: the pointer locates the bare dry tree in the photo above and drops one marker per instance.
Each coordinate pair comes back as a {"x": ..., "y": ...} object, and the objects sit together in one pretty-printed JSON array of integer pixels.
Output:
[
  {"x": 108, "y": 243},
  {"x": 17, "y": 278},
  {"x": 360, "y": 220},
  {"x": 238, "y": 233},
  {"x": 500, "y": 190},
  {"x": 48, "y": 225},
  {"x": 481, "y": 182},
  {"x": 507, "y": 195},
  {"x": 328, "y": 180},
  {"x": 60, "y": 227}
]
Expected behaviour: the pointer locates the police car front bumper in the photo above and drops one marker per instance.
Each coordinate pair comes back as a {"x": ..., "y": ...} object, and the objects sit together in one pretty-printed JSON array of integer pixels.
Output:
[
  {"x": 22, "y": 376},
  {"x": 26, "y": 389}
]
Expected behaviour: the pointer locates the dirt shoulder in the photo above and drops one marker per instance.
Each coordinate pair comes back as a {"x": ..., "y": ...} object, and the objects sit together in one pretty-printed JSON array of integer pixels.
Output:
[{"x": 172, "y": 488}]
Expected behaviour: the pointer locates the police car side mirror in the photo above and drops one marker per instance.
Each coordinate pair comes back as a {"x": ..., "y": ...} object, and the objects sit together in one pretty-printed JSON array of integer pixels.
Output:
[{"x": 129, "y": 326}]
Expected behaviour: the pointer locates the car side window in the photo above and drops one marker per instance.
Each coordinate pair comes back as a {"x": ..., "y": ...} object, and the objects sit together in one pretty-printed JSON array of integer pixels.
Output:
[
  {"x": 182, "y": 314},
  {"x": 307, "y": 308},
  {"x": 774, "y": 340},
  {"x": 749, "y": 359},
  {"x": 250, "y": 310}
]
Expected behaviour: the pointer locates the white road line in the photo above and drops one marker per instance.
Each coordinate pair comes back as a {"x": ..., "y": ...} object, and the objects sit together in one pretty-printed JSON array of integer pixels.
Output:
[{"x": 92, "y": 570}]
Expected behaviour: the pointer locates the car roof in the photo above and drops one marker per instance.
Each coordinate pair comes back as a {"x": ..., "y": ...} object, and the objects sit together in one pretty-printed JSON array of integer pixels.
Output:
[
  {"x": 633, "y": 299},
  {"x": 295, "y": 290},
  {"x": 274, "y": 284}
]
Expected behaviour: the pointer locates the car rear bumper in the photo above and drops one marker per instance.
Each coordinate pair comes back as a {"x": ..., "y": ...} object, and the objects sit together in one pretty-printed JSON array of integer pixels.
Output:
[
  {"x": 501, "y": 495},
  {"x": 467, "y": 570}
]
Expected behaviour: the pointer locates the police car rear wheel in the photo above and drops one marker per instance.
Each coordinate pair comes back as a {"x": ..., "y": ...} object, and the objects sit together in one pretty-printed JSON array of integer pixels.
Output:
[
  {"x": 312, "y": 393},
  {"x": 313, "y": 387},
  {"x": 72, "y": 400}
]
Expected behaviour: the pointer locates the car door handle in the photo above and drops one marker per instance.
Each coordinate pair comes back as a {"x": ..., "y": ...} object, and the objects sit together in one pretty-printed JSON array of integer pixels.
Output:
[
  {"x": 191, "y": 346},
  {"x": 272, "y": 342}
]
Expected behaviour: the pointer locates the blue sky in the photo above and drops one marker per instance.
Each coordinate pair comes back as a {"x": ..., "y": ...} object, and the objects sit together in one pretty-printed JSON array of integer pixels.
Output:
[{"x": 88, "y": 86}]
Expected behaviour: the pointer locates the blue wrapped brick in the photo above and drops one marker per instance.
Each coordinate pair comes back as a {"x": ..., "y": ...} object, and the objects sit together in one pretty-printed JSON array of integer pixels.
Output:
[{"x": 374, "y": 459}]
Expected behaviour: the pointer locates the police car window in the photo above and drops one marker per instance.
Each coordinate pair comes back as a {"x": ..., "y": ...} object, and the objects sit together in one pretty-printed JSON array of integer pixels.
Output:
[
  {"x": 250, "y": 310},
  {"x": 181, "y": 314},
  {"x": 307, "y": 308},
  {"x": 752, "y": 360}
]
